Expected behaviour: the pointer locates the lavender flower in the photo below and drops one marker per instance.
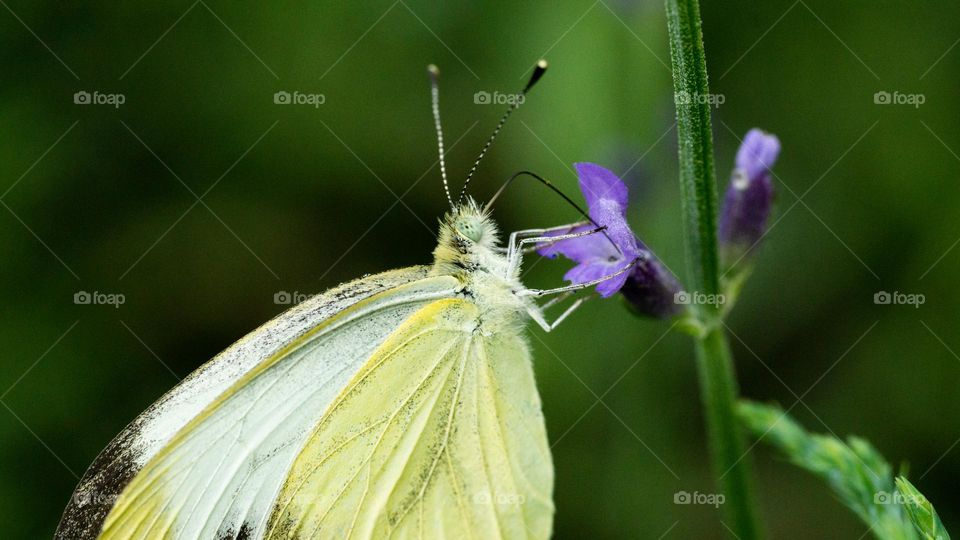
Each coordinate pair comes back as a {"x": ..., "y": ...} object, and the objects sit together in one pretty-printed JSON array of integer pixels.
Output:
[
  {"x": 746, "y": 205},
  {"x": 649, "y": 288}
]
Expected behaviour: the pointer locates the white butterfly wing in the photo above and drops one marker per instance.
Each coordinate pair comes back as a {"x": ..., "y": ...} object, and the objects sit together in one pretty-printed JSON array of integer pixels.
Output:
[{"x": 229, "y": 431}]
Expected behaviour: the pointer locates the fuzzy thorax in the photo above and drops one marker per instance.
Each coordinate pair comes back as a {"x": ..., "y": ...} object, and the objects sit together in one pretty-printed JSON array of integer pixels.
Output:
[{"x": 468, "y": 249}]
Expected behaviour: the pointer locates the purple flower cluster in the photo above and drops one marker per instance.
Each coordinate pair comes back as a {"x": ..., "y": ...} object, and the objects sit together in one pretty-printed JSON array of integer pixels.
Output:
[{"x": 648, "y": 286}]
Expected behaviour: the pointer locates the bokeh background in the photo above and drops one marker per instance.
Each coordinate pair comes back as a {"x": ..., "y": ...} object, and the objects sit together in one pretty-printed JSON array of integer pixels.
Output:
[{"x": 199, "y": 199}]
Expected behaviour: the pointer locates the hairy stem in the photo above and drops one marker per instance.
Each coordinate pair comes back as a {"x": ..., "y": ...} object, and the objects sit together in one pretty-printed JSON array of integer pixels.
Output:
[
  {"x": 718, "y": 386},
  {"x": 697, "y": 175}
]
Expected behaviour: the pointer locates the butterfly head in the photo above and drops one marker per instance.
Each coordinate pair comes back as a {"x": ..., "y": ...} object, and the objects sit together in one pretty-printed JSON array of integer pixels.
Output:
[{"x": 468, "y": 239}]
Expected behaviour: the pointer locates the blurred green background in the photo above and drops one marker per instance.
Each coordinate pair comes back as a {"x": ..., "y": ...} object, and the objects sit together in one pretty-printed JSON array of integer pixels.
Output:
[{"x": 299, "y": 198}]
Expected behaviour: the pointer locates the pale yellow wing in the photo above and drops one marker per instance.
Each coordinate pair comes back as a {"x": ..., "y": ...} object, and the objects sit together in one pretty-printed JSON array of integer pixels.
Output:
[
  {"x": 219, "y": 476},
  {"x": 439, "y": 435}
]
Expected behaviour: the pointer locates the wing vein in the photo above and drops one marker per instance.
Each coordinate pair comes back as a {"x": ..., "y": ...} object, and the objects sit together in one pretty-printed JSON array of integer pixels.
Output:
[
  {"x": 489, "y": 378},
  {"x": 329, "y": 411},
  {"x": 480, "y": 452},
  {"x": 393, "y": 417},
  {"x": 446, "y": 434},
  {"x": 454, "y": 479}
]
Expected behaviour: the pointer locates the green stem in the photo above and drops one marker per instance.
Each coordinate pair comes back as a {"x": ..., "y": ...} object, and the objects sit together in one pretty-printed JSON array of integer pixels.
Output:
[
  {"x": 718, "y": 390},
  {"x": 697, "y": 176},
  {"x": 718, "y": 386}
]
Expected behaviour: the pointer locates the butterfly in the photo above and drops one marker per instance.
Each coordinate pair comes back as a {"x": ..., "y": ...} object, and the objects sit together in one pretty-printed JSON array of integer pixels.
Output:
[{"x": 399, "y": 405}]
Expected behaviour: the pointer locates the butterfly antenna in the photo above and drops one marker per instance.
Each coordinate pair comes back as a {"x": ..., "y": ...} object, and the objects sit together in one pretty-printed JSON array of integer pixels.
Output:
[
  {"x": 538, "y": 72},
  {"x": 434, "y": 73}
]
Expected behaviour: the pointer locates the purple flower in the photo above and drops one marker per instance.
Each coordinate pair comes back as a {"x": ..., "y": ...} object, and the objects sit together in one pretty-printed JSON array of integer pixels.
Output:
[
  {"x": 746, "y": 205},
  {"x": 648, "y": 286}
]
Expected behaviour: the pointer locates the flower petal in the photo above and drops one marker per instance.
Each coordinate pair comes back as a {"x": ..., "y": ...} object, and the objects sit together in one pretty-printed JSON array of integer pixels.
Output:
[
  {"x": 611, "y": 286},
  {"x": 758, "y": 152},
  {"x": 607, "y": 213},
  {"x": 598, "y": 183},
  {"x": 606, "y": 197},
  {"x": 596, "y": 269},
  {"x": 578, "y": 249}
]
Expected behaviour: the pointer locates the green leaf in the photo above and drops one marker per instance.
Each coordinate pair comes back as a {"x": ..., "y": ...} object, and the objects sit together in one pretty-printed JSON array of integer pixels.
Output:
[
  {"x": 921, "y": 512},
  {"x": 857, "y": 473}
]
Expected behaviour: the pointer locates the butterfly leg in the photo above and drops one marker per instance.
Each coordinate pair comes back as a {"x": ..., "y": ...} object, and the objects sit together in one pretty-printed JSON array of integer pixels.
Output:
[
  {"x": 538, "y": 317},
  {"x": 555, "y": 300},
  {"x": 578, "y": 286},
  {"x": 511, "y": 244},
  {"x": 515, "y": 255}
]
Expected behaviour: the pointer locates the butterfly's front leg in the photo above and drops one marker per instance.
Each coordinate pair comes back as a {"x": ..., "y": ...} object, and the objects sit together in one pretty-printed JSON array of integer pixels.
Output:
[
  {"x": 517, "y": 246},
  {"x": 512, "y": 242}
]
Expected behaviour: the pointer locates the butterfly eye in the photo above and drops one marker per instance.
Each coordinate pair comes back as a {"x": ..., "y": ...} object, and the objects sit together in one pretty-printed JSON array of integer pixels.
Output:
[{"x": 470, "y": 228}]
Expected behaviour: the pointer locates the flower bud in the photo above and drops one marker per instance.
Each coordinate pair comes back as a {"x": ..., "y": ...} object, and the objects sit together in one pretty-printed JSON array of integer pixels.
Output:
[{"x": 749, "y": 196}]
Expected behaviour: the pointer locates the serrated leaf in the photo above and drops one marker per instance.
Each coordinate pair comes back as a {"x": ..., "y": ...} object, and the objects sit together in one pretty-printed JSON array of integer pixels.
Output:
[
  {"x": 921, "y": 512},
  {"x": 855, "y": 470}
]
